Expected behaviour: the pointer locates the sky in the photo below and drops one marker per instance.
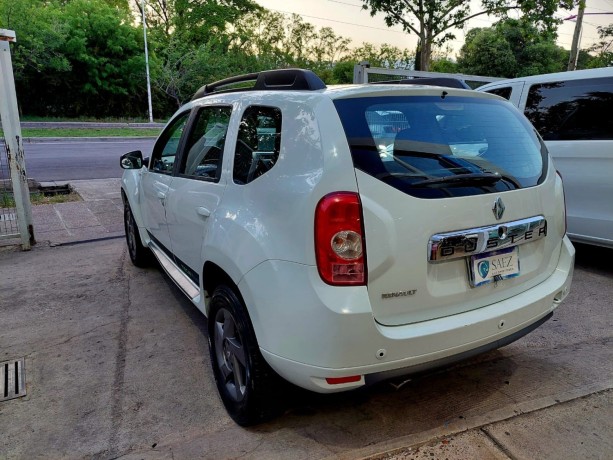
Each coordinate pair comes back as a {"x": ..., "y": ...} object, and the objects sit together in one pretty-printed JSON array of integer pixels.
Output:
[{"x": 348, "y": 19}]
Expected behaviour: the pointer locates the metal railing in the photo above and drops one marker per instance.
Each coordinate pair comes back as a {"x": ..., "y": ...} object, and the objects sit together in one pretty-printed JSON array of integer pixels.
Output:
[
  {"x": 8, "y": 213},
  {"x": 363, "y": 73},
  {"x": 15, "y": 207}
]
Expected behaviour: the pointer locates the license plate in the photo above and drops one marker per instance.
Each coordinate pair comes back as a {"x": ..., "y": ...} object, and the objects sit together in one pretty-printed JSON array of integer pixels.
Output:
[{"x": 494, "y": 266}]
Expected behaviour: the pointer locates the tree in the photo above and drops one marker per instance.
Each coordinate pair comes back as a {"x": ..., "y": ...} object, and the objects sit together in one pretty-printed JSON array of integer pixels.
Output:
[
  {"x": 604, "y": 48},
  {"x": 195, "y": 21},
  {"x": 387, "y": 56},
  {"x": 486, "y": 52},
  {"x": 280, "y": 41},
  {"x": 433, "y": 21},
  {"x": 41, "y": 32},
  {"x": 76, "y": 58},
  {"x": 511, "y": 48}
]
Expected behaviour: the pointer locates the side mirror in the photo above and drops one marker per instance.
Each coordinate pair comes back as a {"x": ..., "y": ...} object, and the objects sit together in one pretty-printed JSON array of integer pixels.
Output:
[{"x": 132, "y": 160}]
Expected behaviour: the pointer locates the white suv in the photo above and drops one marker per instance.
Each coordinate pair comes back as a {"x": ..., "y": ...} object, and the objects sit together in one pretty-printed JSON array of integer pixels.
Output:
[{"x": 340, "y": 236}]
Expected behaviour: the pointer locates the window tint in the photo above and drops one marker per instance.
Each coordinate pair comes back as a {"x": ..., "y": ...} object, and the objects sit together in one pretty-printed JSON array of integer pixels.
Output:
[
  {"x": 572, "y": 110},
  {"x": 258, "y": 143},
  {"x": 502, "y": 92},
  {"x": 431, "y": 147},
  {"x": 165, "y": 149},
  {"x": 205, "y": 145}
]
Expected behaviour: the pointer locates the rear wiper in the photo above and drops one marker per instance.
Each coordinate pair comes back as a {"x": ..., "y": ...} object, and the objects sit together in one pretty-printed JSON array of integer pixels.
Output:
[
  {"x": 385, "y": 175},
  {"x": 460, "y": 179}
]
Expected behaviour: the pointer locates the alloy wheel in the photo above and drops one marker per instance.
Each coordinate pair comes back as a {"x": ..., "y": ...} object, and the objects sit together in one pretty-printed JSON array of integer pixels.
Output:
[{"x": 230, "y": 355}]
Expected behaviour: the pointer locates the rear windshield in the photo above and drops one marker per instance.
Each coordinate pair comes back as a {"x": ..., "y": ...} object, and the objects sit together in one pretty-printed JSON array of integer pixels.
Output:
[{"x": 436, "y": 147}]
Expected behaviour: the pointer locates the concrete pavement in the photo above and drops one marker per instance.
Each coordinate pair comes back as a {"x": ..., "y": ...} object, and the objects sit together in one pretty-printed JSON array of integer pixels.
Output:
[
  {"x": 117, "y": 367},
  {"x": 98, "y": 215}
]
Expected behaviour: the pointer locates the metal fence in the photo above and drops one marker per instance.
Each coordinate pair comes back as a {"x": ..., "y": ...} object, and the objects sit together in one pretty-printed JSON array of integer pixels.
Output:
[
  {"x": 8, "y": 213},
  {"x": 15, "y": 207},
  {"x": 363, "y": 73}
]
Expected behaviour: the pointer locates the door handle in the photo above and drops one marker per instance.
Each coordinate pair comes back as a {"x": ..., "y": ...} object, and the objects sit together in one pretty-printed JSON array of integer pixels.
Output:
[
  {"x": 202, "y": 211},
  {"x": 161, "y": 195}
]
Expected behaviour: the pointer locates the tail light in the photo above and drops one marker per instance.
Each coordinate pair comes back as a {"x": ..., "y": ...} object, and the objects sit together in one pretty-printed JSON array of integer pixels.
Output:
[
  {"x": 564, "y": 198},
  {"x": 339, "y": 240}
]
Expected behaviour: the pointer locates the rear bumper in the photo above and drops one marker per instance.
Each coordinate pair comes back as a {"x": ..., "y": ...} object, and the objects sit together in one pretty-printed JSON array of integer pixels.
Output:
[{"x": 320, "y": 332}]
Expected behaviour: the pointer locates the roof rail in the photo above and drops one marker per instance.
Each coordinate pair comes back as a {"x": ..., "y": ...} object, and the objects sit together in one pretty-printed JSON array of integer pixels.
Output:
[
  {"x": 276, "y": 80},
  {"x": 434, "y": 81}
]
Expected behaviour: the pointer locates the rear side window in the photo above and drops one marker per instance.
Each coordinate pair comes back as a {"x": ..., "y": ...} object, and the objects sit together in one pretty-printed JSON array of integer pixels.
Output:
[
  {"x": 502, "y": 92},
  {"x": 204, "y": 149},
  {"x": 572, "y": 110},
  {"x": 258, "y": 143},
  {"x": 433, "y": 147}
]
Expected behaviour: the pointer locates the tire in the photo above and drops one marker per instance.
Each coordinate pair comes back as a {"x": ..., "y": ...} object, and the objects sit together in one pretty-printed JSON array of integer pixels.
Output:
[
  {"x": 139, "y": 254},
  {"x": 248, "y": 387}
]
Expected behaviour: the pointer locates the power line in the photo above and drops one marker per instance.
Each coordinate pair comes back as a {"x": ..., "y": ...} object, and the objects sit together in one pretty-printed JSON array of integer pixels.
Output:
[
  {"x": 339, "y": 22},
  {"x": 345, "y": 3}
]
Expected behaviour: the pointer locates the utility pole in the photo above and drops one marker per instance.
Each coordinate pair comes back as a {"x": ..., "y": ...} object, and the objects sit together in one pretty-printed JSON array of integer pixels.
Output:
[
  {"x": 147, "y": 63},
  {"x": 574, "y": 50}
]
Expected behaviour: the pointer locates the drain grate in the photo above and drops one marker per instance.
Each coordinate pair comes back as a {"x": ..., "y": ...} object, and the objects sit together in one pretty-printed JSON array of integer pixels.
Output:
[{"x": 12, "y": 379}]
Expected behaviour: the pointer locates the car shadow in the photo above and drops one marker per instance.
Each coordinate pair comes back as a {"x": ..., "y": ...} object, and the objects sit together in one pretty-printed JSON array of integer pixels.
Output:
[{"x": 594, "y": 259}]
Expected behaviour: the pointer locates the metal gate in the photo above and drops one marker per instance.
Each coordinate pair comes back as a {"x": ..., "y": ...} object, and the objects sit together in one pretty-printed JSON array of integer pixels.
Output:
[
  {"x": 15, "y": 207},
  {"x": 8, "y": 213},
  {"x": 363, "y": 73}
]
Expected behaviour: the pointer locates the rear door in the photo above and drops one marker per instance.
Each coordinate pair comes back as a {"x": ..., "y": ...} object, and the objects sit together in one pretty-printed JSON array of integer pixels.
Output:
[
  {"x": 449, "y": 185},
  {"x": 198, "y": 187}
]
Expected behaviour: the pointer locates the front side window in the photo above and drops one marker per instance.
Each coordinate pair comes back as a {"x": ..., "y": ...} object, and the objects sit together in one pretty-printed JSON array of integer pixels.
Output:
[
  {"x": 258, "y": 143},
  {"x": 436, "y": 147},
  {"x": 165, "y": 149},
  {"x": 572, "y": 110},
  {"x": 204, "y": 148}
]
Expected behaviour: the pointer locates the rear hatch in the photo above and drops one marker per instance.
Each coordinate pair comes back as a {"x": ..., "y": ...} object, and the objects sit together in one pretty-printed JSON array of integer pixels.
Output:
[{"x": 460, "y": 206}]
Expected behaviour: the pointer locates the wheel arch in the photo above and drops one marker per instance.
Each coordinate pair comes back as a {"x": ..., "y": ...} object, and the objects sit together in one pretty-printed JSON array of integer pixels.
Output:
[
  {"x": 134, "y": 209},
  {"x": 130, "y": 191},
  {"x": 212, "y": 276}
]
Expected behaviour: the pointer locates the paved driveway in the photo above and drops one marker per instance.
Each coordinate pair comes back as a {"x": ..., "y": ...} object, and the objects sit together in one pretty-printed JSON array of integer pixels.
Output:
[{"x": 117, "y": 366}]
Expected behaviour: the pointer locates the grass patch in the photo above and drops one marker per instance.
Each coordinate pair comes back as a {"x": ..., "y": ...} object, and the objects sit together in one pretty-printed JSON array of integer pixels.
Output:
[
  {"x": 88, "y": 132},
  {"x": 88, "y": 119},
  {"x": 7, "y": 200}
]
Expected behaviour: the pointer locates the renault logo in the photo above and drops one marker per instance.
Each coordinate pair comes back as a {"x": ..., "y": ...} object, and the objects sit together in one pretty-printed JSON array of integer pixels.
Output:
[{"x": 498, "y": 208}]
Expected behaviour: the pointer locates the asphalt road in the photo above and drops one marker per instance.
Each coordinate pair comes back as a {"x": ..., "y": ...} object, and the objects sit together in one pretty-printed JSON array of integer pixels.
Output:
[{"x": 62, "y": 161}]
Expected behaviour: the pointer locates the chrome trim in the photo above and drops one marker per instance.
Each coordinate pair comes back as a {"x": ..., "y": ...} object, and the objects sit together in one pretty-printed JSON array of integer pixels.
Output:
[
  {"x": 463, "y": 243},
  {"x": 180, "y": 278}
]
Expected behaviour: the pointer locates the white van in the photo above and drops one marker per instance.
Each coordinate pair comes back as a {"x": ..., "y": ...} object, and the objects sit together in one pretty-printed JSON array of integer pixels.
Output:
[{"x": 573, "y": 112}]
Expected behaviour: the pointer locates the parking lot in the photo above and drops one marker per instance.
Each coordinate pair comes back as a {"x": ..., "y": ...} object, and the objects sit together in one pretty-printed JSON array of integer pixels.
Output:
[{"x": 117, "y": 365}]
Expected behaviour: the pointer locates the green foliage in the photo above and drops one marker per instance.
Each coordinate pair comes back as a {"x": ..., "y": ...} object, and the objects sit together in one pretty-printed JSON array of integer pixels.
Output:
[
  {"x": 511, "y": 48},
  {"x": 85, "y": 58},
  {"x": 444, "y": 65},
  {"x": 386, "y": 56},
  {"x": 434, "y": 21},
  {"x": 78, "y": 57},
  {"x": 41, "y": 31},
  {"x": 343, "y": 72},
  {"x": 603, "y": 50}
]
